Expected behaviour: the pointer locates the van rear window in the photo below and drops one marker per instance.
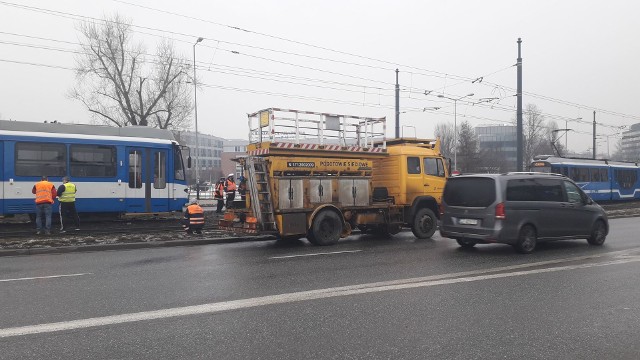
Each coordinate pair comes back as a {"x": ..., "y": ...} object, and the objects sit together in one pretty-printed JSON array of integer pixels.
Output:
[{"x": 470, "y": 191}]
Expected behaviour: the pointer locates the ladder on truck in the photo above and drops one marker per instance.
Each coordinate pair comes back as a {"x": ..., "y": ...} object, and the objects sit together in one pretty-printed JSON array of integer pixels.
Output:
[{"x": 260, "y": 193}]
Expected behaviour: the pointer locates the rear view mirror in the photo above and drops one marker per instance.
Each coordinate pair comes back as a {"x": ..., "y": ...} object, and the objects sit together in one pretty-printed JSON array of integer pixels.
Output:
[{"x": 189, "y": 162}]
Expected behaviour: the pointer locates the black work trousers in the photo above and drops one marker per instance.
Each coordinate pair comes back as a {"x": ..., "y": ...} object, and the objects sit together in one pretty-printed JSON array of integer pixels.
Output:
[
  {"x": 220, "y": 205},
  {"x": 69, "y": 215},
  {"x": 231, "y": 195}
]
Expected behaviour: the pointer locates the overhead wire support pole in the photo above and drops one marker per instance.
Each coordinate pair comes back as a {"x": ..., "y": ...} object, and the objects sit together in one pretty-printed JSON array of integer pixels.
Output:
[
  {"x": 397, "y": 106},
  {"x": 594, "y": 134},
  {"x": 195, "y": 112},
  {"x": 519, "y": 140}
]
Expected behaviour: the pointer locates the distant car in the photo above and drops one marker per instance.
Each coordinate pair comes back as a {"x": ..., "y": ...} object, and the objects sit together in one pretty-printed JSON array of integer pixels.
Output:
[{"x": 520, "y": 209}]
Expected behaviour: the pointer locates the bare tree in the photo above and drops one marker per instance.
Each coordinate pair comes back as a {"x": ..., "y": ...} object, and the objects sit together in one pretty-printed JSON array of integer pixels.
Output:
[
  {"x": 468, "y": 154},
  {"x": 122, "y": 85},
  {"x": 536, "y": 135},
  {"x": 444, "y": 131}
]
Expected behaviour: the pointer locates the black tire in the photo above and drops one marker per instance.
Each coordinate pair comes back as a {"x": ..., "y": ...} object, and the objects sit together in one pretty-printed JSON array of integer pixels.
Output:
[
  {"x": 466, "y": 243},
  {"x": 598, "y": 233},
  {"x": 326, "y": 228},
  {"x": 424, "y": 223},
  {"x": 527, "y": 240}
]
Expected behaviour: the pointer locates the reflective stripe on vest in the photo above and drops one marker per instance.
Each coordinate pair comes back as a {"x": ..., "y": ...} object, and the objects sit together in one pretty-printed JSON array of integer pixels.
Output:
[
  {"x": 43, "y": 192},
  {"x": 196, "y": 214},
  {"x": 69, "y": 194}
]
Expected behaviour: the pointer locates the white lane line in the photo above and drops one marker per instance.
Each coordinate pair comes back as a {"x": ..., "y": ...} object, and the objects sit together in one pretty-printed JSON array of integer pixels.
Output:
[
  {"x": 218, "y": 307},
  {"x": 45, "y": 277},
  {"x": 315, "y": 254}
]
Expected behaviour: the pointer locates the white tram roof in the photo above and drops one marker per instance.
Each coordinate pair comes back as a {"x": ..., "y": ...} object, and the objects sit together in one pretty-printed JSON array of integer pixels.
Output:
[
  {"x": 84, "y": 131},
  {"x": 580, "y": 161}
]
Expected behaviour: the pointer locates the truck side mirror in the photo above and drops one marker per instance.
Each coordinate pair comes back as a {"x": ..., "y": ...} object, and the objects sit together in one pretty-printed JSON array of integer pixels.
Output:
[{"x": 189, "y": 162}]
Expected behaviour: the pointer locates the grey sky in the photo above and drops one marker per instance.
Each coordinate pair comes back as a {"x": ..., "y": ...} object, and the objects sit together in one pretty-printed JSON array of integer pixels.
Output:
[{"x": 575, "y": 52}]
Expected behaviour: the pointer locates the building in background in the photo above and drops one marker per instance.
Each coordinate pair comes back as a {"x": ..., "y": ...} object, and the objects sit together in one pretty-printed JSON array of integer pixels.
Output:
[
  {"x": 630, "y": 143},
  {"x": 233, "y": 148},
  {"x": 498, "y": 147},
  {"x": 210, "y": 160}
]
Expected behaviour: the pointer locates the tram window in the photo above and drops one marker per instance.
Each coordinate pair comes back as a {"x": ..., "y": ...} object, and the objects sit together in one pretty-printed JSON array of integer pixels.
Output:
[
  {"x": 599, "y": 175},
  {"x": 92, "y": 161},
  {"x": 580, "y": 174},
  {"x": 413, "y": 165},
  {"x": 159, "y": 170},
  {"x": 626, "y": 178},
  {"x": 556, "y": 170},
  {"x": 38, "y": 159},
  {"x": 178, "y": 165},
  {"x": 135, "y": 169}
]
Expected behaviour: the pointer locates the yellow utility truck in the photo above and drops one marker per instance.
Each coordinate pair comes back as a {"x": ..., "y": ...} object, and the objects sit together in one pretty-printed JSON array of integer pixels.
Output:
[{"x": 319, "y": 175}]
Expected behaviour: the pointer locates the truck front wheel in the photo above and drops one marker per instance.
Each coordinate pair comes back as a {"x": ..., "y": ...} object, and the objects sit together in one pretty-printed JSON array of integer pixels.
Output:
[
  {"x": 424, "y": 224},
  {"x": 326, "y": 228}
]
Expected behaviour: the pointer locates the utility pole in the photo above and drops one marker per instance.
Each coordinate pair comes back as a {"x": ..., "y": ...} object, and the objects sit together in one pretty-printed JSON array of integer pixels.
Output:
[
  {"x": 519, "y": 141},
  {"x": 397, "y": 106},
  {"x": 594, "y": 134}
]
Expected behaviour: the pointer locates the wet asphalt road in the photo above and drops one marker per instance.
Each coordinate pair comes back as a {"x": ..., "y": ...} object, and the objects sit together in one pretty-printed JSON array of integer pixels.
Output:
[{"x": 366, "y": 298}]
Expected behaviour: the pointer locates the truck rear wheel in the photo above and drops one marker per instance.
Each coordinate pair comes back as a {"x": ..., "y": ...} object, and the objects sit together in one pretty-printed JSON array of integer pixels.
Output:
[
  {"x": 424, "y": 223},
  {"x": 326, "y": 228}
]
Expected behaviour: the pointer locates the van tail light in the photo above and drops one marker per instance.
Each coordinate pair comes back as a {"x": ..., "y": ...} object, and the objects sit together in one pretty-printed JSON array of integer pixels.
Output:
[
  {"x": 441, "y": 208},
  {"x": 500, "y": 214}
]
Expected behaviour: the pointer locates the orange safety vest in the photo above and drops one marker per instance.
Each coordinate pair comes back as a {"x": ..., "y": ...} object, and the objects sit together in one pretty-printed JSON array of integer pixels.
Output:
[
  {"x": 43, "y": 192},
  {"x": 231, "y": 185},
  {"x": 219, "y": 190},
  {"x": 196, "y": 214}
]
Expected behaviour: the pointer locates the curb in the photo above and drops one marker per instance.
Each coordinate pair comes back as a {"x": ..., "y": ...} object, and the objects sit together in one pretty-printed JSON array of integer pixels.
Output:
[{"x": 132, "y": 245}]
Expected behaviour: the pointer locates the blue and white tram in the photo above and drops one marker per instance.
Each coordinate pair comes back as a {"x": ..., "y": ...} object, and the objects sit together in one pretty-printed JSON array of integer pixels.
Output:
[
  {"x": 117, "y": 170},
  {"x": 603, "y": 180}
]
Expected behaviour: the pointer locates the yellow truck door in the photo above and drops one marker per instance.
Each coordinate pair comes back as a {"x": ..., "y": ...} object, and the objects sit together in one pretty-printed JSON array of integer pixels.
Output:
[{"x": 434, "y": 176}]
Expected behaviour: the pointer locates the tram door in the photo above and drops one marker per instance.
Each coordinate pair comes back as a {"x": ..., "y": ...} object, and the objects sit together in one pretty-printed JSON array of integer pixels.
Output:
[
  {"x": 138, "y": 198},
  {"x": 2, "y": 210},
  {"x": 159, "y": 186}
]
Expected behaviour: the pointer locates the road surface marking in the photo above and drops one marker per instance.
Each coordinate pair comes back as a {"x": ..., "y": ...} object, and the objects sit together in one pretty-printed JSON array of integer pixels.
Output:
[
  {"x": 218, "y": 307},
  {"x": 44, "y": 277},
  {"x": 315, "y": 254}
]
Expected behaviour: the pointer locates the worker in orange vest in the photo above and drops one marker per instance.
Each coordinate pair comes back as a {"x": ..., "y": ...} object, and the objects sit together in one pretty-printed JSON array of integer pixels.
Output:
[
  {"x": 219, "y": 195},
  {"x": 230, "y": 187},
  {"x": 193, "y": 218},
  {"x": 45, "y": 193}
]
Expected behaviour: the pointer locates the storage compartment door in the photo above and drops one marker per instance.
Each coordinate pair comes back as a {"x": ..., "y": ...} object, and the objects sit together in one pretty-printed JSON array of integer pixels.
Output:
[
  {"x": 320, "y": 191},
  {"x": 297, "y": 191},
  {"x": 361, "y": 192},
  {"x": 346, "y": 192},
  {"x": 285, "y": 193}
]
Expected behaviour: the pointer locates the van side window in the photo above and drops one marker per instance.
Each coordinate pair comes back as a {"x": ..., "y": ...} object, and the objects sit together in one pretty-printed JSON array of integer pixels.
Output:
[
  {"x": 549, "y": 190},
  {"x": 413, "y": 165},
  {"x": 573, "y": 193},
  {"x": 534, "y": 190}
]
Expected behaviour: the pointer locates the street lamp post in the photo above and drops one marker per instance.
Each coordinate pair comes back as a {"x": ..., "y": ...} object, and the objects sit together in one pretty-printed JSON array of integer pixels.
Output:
[
  {"x": 455, "y": 126},
  {"x": 195, "y": 112}
]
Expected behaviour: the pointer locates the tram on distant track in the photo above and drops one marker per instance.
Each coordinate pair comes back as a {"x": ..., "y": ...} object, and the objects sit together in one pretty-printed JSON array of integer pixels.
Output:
[
  {"x": 603, "y": 180},
  {"x": 132, "y": 169}
]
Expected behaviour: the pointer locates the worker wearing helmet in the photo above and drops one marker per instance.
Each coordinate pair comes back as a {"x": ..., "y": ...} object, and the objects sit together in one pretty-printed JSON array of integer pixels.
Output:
[
  {"x": 230, "y": 187},
  {"x": 193, "y": 218},
  {"x": 219, "y": 195}
]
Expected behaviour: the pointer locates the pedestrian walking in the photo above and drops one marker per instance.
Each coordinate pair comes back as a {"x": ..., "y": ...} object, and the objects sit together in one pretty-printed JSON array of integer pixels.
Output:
[
  {"x": 193, "y": 218},
  {"x": 230, "y": 187},
  {"x": 45, "y": 193},
  {"x": 219, "y": 195},
  {"x": 67, "y": 199}
]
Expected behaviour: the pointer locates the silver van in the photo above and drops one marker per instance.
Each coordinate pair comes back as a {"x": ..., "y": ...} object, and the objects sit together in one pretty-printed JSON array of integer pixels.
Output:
[{"x": 520, "y": 209}]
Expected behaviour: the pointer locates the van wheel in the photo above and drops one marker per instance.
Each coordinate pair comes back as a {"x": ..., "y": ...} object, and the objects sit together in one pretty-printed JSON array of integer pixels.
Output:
[
  {"x": 424, "y": 224},
  {"x": 466, "y": 243},
  {"x": 598, "y": 233},
  {"x": 326, "y": 228},
  {"x": 527, "y": 240}
]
